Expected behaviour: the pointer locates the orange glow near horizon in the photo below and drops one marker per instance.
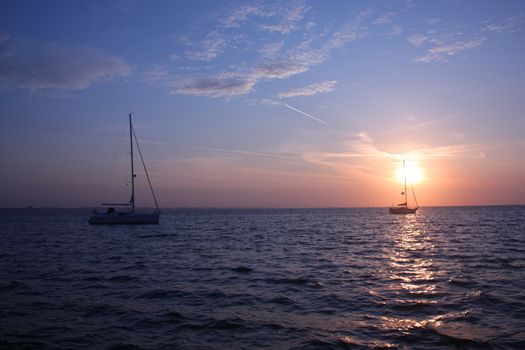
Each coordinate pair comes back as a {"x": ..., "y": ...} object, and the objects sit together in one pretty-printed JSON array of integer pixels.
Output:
[{"x": 414, "y": 173}]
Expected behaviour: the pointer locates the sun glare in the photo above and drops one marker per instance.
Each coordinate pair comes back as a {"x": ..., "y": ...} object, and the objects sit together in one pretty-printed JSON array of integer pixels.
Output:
[{"x": 414, "y": 173}]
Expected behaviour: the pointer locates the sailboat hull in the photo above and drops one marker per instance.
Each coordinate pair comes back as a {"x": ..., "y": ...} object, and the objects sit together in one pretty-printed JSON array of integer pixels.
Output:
[
  {"x": 402, "y": 210},
  {"x": 124, "y": 218}
]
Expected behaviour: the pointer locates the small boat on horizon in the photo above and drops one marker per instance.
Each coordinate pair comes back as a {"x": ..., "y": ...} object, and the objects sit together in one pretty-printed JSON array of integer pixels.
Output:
[
  {"x": 403, "y": 208},
  {"x": 126, "y": 213}
]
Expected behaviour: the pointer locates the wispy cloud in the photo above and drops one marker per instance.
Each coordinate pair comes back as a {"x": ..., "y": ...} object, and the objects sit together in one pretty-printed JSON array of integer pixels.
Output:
[
  {"x": 280, "y": 68},
  {"x": 452, "y": 151},
  {"x": 351, "y": 31},
  {"x": 395, "y": 31},
  {"x": 310, "y": 90},
  {"x": 424, "y": 124},
  {"x": 444, "y": 51},
  {"x": 356, "y": 154},
  {"x": 384, "y": 18},
  {"x": 280, "y": 18},
  {"x": 271, "y": 50},
  {"x": 52, "y": 66},
  {"x": 281, "y": 57},
  {"x": 245, "y": 152},
  {"x": 417, "y": 39},
  {"x": 264, "y": 101},
  {"x": 283, "y": 28},
  {"x": 432, "y": 21},
  {"x": 359, "y": 152},
  {"x": 278, "y": 58},
  {"x": 210, "y": 48},
  {"x": 219, "y": 85},
  {"x": 508, "y": 25},
  {"x": 293, "y": 61},
  {"x": 157, "y": 74},
  {"x": 241, "y": 14},
  {"x": 443, "y": 40},
  {"x": 287, "y": 19}
]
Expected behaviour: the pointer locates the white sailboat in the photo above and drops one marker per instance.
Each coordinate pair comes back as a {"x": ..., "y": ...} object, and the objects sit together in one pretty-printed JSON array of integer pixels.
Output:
[
  {"x": 403, "y": 208},
  {"x": 125, "y": 213}
]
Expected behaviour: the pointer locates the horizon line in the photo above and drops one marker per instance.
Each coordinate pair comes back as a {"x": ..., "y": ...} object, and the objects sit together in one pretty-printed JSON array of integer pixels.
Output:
[{"x": 265, "y": 207}]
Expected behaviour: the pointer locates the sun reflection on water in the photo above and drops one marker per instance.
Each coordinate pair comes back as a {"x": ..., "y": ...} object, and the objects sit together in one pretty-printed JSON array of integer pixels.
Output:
[
  {"x": 410, "y": 257},
  {"x": 412, "y": 275}
]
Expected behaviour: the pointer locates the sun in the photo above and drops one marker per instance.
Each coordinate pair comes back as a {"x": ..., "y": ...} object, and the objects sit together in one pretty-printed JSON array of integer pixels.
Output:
[{"x": 414, "y": 173}]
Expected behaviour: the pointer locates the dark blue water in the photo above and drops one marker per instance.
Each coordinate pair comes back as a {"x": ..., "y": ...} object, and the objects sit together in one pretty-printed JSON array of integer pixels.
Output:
[{"x": 280, "y": 279}]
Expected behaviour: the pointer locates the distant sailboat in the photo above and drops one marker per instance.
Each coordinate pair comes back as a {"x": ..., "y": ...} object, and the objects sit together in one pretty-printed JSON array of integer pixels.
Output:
[
  {"x": 125, "y": 213},
  {"x": 403, "y": 208}
]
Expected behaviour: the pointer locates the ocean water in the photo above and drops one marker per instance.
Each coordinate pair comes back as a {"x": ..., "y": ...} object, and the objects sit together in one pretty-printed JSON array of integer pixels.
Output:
[{"x": 254, "y": 279}]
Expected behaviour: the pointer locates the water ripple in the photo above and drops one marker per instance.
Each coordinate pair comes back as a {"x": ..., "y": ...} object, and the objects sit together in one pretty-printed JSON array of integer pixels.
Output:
[{"x": 281, "y": 279}]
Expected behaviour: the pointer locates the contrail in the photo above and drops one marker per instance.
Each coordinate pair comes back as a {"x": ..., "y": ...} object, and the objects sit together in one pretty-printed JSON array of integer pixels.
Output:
[{"x": 306, "y": 114}]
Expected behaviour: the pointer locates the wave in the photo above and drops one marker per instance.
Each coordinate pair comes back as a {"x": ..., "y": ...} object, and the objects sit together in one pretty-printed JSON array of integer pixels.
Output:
[
  {"x": 317, "y": 343},
  {"x": 122, "y": 278},
  {"x": 225, "y": 324},
  {"x": 265, "y": 279},
  {"x": 13, "y": 285},
  {"x": 24, "y": 345},
  {"x": 295, "y": 281},
  {"x": 242, "y": 269},
  {"x": 366, "y": 344},
  {"x": 160, "y": 235},
  {"x": 125, "y": 347},
  {"x": 462, "y": 335},
  {"x": 173, "y": 315},
  {"x": 282, "y": 300},
  {"x": 162, "y": 294},
  {"x": 461, "y": 281},
  {"x": 413, "y": 305}
]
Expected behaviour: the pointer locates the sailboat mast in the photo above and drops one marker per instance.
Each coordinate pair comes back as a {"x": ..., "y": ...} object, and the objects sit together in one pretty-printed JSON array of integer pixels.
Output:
[
  {"x": 405, "y": 176},
  {"x": 132, "y": 200}
]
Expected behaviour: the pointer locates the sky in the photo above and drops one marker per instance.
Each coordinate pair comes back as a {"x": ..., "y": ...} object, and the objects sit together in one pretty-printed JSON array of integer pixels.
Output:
[{"x": 262, "y": 103}]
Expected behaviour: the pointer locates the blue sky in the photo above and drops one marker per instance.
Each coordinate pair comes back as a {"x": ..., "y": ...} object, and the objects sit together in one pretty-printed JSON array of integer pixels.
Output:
[{"x": 260, "y": 103}]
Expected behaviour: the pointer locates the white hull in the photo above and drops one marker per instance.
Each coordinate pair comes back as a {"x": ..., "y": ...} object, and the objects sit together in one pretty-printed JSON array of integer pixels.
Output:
[{"x": 127, "y": 218}]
